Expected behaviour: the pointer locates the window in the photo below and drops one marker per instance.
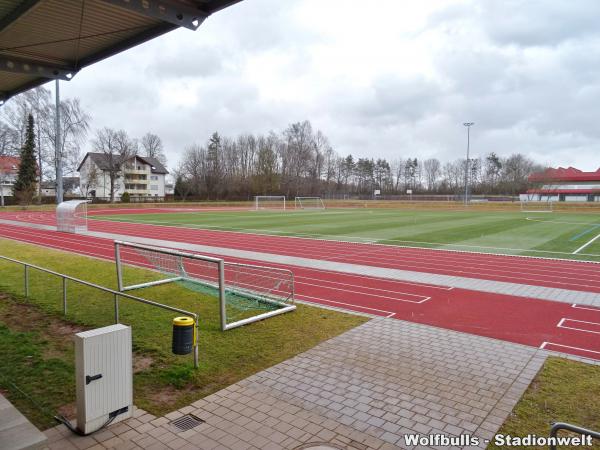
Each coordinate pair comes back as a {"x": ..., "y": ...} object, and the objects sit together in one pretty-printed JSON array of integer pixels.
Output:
[
  {"x": 153, "y": 187},
  {"x": 154, "y": 177}
]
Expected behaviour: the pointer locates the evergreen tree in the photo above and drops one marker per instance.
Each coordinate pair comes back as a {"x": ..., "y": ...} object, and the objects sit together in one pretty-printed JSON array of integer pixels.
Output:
[{"x": 25, "y": 184}]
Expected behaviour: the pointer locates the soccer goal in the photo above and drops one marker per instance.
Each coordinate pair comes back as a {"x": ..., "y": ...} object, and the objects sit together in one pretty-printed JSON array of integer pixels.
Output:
[
  {"x": 71, "y": 216},
  {"x": 269, "y": 202},
  {"x": 531, "y": 206},
  {"x": 309, "y": 203},
  {"x": 247, "y": 293}
]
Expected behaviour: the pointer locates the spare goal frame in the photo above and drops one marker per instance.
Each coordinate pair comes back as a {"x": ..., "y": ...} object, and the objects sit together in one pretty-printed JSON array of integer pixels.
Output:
[
  {"x": 525, "y": 206},
  {"x": 317, "y": 200},
  {"x": 258, "y": 198},
  {"x": 219, "y": 284}
]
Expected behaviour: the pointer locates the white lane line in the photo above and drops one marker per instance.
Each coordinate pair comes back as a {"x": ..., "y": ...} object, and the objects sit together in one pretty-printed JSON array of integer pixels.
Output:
[
  {"x": 546, "y": 344},
  {"x": 588, "y": 308},
  {"x": 561, "y": 324},
  {"x": 423, "y": 298},
  {"x": 318, "y": 300},
  {"x": 586, "y": 244},
  {"x": 361, "y": 289}
]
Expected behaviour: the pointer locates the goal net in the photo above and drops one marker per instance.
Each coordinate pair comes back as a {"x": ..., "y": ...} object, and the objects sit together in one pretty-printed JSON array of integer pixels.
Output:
[
  {"x": 71, "y": 216},
  {"x": 269, "y": 202},
  {"x": 246, "y": 293},
  {"x": 309, "y": 203},
  {"x": 536, "y": 206}
]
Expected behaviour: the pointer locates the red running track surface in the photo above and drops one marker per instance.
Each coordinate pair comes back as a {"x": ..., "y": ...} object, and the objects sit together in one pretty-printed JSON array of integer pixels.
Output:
[
  {"x": 522, "y": 320},
  {"x": 573, "y": 275}
]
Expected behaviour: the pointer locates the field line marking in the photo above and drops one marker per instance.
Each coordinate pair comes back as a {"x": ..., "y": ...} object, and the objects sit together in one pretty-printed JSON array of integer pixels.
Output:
[
  {"x": 351, "y": 285},
  {"x": 545, "y": 344},
  {"x": 586, "y": 244},
  {"x": 318, "y": 299},
  {"x": 589, "y": 308},
  {"x": 423, "y": 297},
  {"x": 561, "y": 324},
  {"x": 583, "y": 233}
]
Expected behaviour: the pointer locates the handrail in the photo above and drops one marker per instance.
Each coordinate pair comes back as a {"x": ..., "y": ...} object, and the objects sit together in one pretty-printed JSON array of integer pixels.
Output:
[
  {"x": 574, "y": 428},
  {"x": 116, "y": 294}
]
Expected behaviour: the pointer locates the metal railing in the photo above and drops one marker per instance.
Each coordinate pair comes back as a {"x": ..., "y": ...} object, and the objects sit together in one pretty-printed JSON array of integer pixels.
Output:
[
  {"x": 556, "y": 427},
  {"x": 116, "y": 295}
]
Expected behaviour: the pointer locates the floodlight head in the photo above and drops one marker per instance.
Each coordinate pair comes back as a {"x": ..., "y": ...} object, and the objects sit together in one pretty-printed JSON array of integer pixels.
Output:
[{"x": 468, "y": 124}]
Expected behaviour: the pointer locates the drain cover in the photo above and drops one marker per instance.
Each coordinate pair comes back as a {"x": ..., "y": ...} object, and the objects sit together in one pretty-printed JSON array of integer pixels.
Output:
[{"x": 187, "y": 422}]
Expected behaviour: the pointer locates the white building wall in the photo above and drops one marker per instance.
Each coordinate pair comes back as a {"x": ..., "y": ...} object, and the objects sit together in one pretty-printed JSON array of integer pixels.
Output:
[{"x": 156, "y": 182}]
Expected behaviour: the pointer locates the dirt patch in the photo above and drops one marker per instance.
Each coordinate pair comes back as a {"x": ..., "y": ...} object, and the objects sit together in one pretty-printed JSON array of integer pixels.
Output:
[
  {"x": 141, "y": 363},
  {"x": 69, "y": 410},
  {"x": 20, "y": 316},
  {"x": 64, "y": 329},
  {"x": 166, "y": 398}
]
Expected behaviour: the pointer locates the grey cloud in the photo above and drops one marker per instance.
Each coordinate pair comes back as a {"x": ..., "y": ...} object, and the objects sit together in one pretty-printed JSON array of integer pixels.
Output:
[
  {"x": 539, "y": 22},
  {"x": 187, "y": 62}
]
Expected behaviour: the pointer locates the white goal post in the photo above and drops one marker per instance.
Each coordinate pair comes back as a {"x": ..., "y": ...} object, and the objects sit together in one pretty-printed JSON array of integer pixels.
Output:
[
  {"x": 309, "y": 203},
  {"x": 247, "y": 293},
  {"x": 269, "y": 202},
  {"x": 71, "y": 216},
  {"x": 531, "y": 206}
]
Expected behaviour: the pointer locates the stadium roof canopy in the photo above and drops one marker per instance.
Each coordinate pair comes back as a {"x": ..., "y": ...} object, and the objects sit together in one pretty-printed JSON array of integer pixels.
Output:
[{"x": 42, "y": 40}]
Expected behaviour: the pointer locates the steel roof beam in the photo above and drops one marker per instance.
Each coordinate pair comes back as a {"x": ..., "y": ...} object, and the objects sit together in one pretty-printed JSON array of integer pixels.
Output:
[
  {"x": 171, "y": 11},
  {"x": 35, "y": 68}
]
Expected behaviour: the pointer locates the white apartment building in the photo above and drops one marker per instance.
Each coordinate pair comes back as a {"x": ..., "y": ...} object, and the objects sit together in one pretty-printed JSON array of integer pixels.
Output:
[{"x": 140, "y": 176}]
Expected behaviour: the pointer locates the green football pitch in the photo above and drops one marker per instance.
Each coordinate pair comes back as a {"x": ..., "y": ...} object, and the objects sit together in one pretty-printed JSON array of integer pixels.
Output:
[{"x": 554, "y": 235}]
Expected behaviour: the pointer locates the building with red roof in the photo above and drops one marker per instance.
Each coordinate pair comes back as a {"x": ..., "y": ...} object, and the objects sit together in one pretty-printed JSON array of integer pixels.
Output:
[
  {"x": 562, "y": 184},
  {"x": 9, "y": 168}
]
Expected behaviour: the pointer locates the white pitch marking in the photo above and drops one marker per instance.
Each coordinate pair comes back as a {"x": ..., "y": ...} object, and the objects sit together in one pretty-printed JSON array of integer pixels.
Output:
[
  {"x": 562, "y": 325},
  {"x": 390, "y": 314},
  {"x": 576, "y": 306},
  {"x": 423, "y": 297},
  {"x": 586, "y": 244},
  {"x": 544, "y": 344}
]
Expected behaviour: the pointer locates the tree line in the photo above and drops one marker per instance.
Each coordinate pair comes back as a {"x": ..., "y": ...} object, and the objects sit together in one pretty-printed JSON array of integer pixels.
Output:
[
  {"x": 300, "y": 161},
  {"x": 28, "y": 121}
]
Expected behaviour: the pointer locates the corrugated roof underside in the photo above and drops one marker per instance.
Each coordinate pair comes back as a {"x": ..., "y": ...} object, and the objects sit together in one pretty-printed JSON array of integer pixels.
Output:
[{"x": 102, "y": 26}]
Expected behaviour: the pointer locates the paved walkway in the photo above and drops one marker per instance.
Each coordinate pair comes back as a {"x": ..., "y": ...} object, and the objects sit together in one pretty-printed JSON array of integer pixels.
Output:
[
  {"x": 475, "y": 284},
  {"x": 16, "y": 432},
  {"x": 364, "y": 389}
]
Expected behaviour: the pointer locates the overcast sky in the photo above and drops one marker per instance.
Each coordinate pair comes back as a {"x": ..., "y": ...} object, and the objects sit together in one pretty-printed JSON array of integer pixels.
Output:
[{"x": 385, "y": 78}]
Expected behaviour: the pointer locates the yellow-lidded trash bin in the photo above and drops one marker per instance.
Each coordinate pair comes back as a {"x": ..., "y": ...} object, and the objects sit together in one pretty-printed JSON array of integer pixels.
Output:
[{"x": 183, "y": 335}]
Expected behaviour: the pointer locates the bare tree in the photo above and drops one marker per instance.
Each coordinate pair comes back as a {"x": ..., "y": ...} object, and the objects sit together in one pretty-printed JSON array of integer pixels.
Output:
[
  {"x": 152, "y": 146},
  {"x": 92, "y": 179},
  {"x": 117, "y": 148},
  {"x": 432, "y": 168}
]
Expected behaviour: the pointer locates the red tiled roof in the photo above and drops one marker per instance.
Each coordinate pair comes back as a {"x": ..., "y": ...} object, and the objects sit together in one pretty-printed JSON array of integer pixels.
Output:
[
  {"x": 564, "y": 191},
  {"x": 9, "y": 164},
  {"x": 562, "y": 174}
]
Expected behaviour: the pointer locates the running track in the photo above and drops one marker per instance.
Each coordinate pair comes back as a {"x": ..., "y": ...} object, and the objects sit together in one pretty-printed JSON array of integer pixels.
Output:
[
  {"x": 557, "y": 326},
  {"x": 572, "y": 275}
]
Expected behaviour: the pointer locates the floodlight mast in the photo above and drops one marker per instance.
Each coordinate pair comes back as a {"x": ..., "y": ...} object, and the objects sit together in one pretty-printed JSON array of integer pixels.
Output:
[
  {"x": 468, "y": 125},
  {"x": 57, "y": 149}
]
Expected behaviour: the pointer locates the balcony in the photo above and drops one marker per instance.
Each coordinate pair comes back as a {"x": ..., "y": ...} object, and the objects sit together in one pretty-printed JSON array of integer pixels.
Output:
[{"x": 134, "y": 171}]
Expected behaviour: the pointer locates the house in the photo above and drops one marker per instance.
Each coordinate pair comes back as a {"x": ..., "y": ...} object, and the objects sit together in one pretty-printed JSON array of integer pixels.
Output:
[
  {"x": 9, "y": 169},
  {"x": 70, "y": 187},
  {"x": 141, "y": 176},
  {"x": 565, "y": 185}
]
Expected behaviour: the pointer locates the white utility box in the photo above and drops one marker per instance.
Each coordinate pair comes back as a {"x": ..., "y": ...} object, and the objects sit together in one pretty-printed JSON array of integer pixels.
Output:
[{"x": 103, "y": 374}]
